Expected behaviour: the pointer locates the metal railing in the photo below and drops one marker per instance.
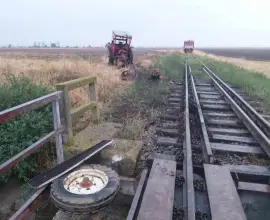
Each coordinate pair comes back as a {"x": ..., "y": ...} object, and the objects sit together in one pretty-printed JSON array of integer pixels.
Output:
[
  {"x": 10, "y": 113},
  {"x": 56, "y": 134}
]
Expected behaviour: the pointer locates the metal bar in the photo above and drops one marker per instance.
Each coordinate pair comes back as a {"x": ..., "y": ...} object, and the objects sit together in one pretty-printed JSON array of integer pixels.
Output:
[
  {"x": 23, "y": 213},
  {"x": 190, "y": 196},
  {"x": 23, "y": 154},
  {"x": 207, "y": 151},
  {"x": 251, "y": 126},
  {"x": 28, "y": 106},
  {"x": 50, "y": 175},
  {"x": 58, "y": 136},
  {"x": 132, "y": 214}
]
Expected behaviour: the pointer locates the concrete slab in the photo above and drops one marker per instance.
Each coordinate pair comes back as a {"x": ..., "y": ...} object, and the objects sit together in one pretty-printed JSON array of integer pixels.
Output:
[
  {"x": 248, "y": 140},
  {"x": 203, "y": 96},
  {"x": 254, "y": 187},
  {"x": 158, "y": 198},
  {"x": 90, "y": 136},
  {"x": 167, "y": 141},
  {"x": 170, "y": 125},
  {"x": 232, "y": 123},
  {"x": 122, "y": 156},
  {"x": 220, "y": 114},
  {"x": 223, "y": 197},
  {"x": 228, "y": 131},
  {"x": 216, "y": 107},
  {"x": 236, "y": 148},
  {"x": 250, "y": 169}
]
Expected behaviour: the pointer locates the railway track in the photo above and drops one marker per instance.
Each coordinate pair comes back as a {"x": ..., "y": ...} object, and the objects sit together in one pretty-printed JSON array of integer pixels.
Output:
[
  {"x": 229, "y": 124},
  {"x": 212, "y": 147}
]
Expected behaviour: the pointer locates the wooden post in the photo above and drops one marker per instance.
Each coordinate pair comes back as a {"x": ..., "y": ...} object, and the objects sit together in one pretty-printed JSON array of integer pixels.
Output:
[
  {"x": 67, "y": 116},
  {"x": 57, "y": 126},
  {"x": 62, "y": 116},
  {"x": 93, "y": 98},
  {"x": 68, "y": 113}
]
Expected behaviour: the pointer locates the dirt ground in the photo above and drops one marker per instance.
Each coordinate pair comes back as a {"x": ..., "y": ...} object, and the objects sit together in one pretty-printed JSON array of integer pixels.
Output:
[
  {"x": 254, "y": 65},
  {"x": 10, "y": 198}
]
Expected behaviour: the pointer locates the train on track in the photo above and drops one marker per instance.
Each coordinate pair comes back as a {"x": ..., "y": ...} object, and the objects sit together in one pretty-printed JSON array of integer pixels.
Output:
[{"x": 188, "y": 46}]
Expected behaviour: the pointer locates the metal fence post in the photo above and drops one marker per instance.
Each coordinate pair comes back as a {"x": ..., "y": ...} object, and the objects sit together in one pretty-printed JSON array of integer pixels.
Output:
[
  {"x": 93, "y": 97},
  {"x": 58, "y": 135}
]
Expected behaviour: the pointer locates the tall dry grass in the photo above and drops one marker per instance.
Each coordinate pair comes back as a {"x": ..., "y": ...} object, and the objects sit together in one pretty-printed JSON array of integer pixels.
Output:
[{"x": 51, "y": 72}]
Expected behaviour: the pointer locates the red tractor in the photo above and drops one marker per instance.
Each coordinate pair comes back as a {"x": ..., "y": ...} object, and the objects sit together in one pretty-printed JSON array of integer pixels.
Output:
[
  {"x": 188, "y": 46},
  {"x": 119, "y": 50}
]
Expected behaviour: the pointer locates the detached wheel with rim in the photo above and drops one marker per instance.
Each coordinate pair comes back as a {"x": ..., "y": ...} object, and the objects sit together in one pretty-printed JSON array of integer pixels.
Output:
[{"x": 86, "y": 189}]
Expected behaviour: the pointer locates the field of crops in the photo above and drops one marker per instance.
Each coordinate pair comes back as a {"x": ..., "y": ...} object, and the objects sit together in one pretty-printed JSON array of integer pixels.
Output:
[{"x": 259, "y": 54}]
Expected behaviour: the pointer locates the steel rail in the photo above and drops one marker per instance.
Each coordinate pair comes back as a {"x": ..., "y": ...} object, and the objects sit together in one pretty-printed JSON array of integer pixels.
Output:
[
  {"x": 257, "y": 133},
  {"x": 207, "y": 151},
  {"x": 189, "y": 195},
  {"x": 249, "y": 110}
]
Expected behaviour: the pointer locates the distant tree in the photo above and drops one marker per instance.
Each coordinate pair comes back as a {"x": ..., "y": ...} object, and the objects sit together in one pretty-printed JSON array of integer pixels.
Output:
[
  {"x": 53, "y": 45},
  {"x": 9, "y": 46},
  {"x": 43, "y": 44},
  {"x": 89, "y": 46}
]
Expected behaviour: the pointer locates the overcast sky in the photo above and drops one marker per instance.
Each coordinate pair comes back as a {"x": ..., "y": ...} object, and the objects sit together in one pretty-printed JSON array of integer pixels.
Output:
[{"x": 151, "y": 22}]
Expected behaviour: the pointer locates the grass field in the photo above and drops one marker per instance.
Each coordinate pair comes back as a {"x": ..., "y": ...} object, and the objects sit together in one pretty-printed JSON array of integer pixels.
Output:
[
  {"x": 258, "y": 54},
  {"x": 252, "y": 65},
  {"x": 255, "y": 83}
]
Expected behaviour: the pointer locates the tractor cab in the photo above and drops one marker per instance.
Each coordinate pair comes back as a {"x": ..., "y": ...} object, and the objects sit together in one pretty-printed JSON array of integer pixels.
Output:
[
  {"x": 120, "y": 52},
  {"x": 121, "y": 38}
]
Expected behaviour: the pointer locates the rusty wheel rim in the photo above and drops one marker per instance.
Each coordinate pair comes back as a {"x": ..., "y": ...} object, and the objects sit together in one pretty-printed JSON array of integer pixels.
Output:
[{"x": 85, "y": 181}]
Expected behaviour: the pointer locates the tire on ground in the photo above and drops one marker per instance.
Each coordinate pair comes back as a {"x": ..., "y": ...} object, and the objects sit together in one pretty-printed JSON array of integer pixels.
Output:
[{"x": 74, "y": 203}]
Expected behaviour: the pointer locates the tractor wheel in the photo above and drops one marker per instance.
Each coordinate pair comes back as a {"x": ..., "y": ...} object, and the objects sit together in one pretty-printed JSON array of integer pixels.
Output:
[
  {"x": 130, "y": 57},
  {"x": 111, "y": 61},
  {"x": 86, "y": 189}
]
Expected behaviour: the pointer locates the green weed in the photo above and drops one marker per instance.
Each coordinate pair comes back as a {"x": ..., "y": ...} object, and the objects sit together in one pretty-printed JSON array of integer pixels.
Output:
[
  {"x": 255, "y": 84},
  {"x": 19, "y": 133}
]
